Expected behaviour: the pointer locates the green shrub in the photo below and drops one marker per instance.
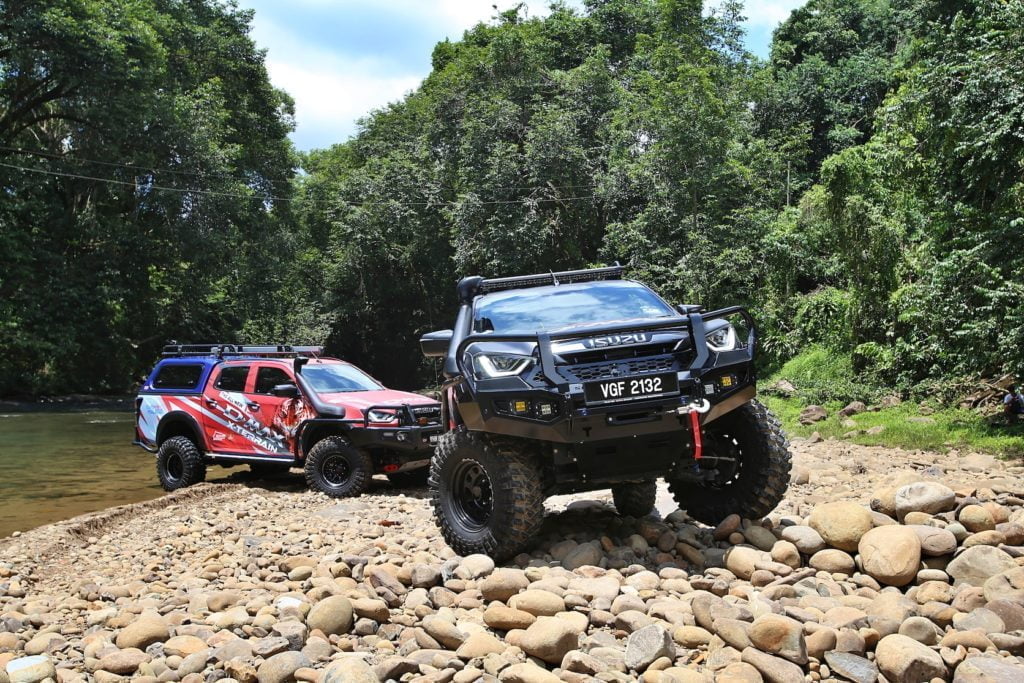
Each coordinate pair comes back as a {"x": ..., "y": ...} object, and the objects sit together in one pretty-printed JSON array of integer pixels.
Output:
[
  {"x": 822, "y": 317},
  {"x": 823, "y": 375}
]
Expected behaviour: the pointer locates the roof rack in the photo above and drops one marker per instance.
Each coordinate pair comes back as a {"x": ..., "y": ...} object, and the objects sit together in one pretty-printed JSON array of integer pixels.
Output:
[
  {"x": 472, "y": 286},
  {"x": 174, "y": 350}
]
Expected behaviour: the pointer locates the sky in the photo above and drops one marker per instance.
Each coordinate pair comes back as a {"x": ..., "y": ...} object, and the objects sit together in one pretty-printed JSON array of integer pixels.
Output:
[{"x": 341, "y": 59}]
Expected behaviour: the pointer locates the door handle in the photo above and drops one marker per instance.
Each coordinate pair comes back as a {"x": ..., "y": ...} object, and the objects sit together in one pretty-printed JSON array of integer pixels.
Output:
[
  {"x": 252, "y": 405},
  {"x": 210, "y": 401}
]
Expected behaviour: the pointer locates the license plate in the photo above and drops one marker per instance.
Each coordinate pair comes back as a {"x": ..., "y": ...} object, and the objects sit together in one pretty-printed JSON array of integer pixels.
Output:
[{"x": 631, "y": 388}]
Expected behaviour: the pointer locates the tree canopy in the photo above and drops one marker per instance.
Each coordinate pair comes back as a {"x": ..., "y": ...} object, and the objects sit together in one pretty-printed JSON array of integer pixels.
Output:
[
  {"x": 142, "y": 151},
  {"x": 860, "y": 190}
]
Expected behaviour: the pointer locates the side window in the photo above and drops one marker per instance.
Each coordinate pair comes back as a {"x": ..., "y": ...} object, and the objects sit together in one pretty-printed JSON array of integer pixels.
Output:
[
  {"x": 178, "y": 377},
  {"x": 268, "y": 377},
  {"x": 232, "y": 378}
]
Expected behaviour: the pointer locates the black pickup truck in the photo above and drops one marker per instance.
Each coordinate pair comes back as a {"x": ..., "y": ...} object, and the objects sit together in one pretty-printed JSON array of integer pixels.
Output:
[{"x": 584, "y": 380}]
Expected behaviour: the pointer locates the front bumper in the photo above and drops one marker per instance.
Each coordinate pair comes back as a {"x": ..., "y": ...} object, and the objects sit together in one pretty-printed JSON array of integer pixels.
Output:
[
  {"x": 724, "y": 379},
  {"x": 396, "y": 438},
  {"x": 572, "y": 420}
]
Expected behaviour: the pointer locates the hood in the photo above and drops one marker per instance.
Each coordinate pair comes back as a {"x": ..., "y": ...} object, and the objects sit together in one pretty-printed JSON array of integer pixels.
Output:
[{"x": 357, "y": 401}]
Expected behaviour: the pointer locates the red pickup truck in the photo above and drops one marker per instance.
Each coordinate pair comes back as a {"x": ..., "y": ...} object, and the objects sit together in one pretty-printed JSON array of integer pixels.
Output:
[{"x": 278, "y": 407}]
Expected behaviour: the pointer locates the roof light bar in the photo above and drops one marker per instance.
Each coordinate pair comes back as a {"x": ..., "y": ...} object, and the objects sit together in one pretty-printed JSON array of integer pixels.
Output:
[{"x": 474, "y": 286}]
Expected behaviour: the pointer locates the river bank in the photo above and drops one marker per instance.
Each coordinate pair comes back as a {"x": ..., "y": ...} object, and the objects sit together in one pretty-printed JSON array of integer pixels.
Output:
[
  {"x": 68, "y": 403},
  {"x": 272, "y": 583}
]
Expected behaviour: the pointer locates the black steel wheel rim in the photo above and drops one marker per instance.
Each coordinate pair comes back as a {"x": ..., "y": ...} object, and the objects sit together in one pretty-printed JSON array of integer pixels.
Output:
[
  {"x": 729, "y": 472},
  {"x": 472, "y": 496},
  {"x": 336, "y": 470},
  {"x": 175, "y": 467}
]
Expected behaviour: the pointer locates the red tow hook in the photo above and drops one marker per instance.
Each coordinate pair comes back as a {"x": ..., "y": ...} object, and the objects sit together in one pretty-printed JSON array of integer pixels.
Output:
[
  {"x": 698, "y": 439},
  {"x": 390, "y": 468},
  {"x": 696, "y": 410}
]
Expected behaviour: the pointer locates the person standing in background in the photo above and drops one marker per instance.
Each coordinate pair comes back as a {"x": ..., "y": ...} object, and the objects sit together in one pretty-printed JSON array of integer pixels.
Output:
[{"x": 1013, "y": 404}]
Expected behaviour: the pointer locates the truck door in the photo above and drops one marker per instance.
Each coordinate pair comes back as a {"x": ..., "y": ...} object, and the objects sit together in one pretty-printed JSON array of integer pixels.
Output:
[
  {"x": 273, "y": 411},
  {"x": 226, "y": 410}
]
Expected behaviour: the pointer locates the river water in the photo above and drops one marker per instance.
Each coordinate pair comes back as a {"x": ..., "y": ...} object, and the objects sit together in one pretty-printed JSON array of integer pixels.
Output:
[{"x": 58, "y": 465}]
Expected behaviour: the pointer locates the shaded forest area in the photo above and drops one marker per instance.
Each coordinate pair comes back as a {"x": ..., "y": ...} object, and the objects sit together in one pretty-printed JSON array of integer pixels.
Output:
[{"x": 862, "y": 190}]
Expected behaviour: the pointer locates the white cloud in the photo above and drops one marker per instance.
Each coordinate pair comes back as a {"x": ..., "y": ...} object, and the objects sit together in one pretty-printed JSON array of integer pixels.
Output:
[
  {"x": 329, "y": 101},
  {"x": 769, "y": 13},
  {"x": 332, "y": 89}
]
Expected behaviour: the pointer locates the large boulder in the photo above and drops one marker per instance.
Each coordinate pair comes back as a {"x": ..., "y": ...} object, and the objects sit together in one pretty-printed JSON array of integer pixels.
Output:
[
  {"x": 978, "y": 564},
  {"x": 852, "y": 667},
  {"x": 646, "y": 645},
  {"x": 841, "y": 524},
  {"x": 742, "y": 560},
  {"x": 332, "y": 615},
  {"x": 143, "y": 632},
  {"x": 935, "y": 542},
  {"x": 772, "y": 668},
  {"x": 1008, "y": 584},
  {"x": 538, "y": 603},
  {"x": 30, "y": 669},
  {"x": 975, "y": 518},
  {"x": 503, "y": 584},
  {"x": 282, "y": 667},
  {"x": 891, "y": 554},
  {"x": 779, "y": 635},
  {"x": 807, "y": 540},
  {"x": 853, "y": 408},
  {"x": 832, "y": 561},
  {"x": 904, "y": 660},
  {"x": 988, "y": 670},
  {"x": 929, "y": 497},
  {"x": 549, "y": 638},
  {"x": 349, "y": 669},
  {"x": 812, "y": 414}
]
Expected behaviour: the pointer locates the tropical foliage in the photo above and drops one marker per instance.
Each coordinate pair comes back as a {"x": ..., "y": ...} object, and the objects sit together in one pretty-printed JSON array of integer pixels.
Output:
[{"x": 862, "y": 190}]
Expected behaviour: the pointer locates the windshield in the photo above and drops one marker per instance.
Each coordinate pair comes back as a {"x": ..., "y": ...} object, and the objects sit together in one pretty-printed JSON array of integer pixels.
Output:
[
  {"x": 333, "y": 378},
  {"x": 558, "y": 307}
]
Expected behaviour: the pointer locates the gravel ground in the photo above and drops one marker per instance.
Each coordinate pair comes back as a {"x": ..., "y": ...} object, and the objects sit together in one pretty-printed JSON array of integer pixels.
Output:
[{"x": 879, "y": 565}]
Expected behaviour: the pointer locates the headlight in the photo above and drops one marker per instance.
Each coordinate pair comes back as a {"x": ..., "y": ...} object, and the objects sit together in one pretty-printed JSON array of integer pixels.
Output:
[
  {"x": 381, "y": 416},
  {"x": 499, "y": 364},
  {"x": 722, "y": 339}
]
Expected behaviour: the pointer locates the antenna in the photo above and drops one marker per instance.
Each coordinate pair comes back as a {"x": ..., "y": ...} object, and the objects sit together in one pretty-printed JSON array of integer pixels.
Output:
[{"x": 554, "y": 280}]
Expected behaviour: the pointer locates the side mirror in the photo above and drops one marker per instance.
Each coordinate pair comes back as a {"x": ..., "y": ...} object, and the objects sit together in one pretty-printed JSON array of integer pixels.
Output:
[
  {"x": 285, "y": 391},
  {"x": 687, "y": 309},
  {"x": 435, "y": 344}
]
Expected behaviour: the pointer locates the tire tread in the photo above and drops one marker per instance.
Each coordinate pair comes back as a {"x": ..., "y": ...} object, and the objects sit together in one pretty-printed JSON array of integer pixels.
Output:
[
  {"x": 635, "y": 499},
  {"x": 194, "y": 467},
  {"x": 520, "y": 476},
  {"x": 753, "y": 502},
  {"x": 362, "y": 471}
]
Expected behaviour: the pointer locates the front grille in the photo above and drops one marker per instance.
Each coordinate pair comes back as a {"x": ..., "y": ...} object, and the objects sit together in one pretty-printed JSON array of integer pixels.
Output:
[
  {"x": 618, "y": 353},
  {"x": 431, "y": 413},
  {"x": 640, "y": 366}
]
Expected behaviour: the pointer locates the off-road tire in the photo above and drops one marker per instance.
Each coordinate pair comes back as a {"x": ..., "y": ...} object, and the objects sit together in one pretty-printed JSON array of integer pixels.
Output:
[
  {"x": 179, "y": 463},
  {"x": 410, "y": 479},
  {"x": 635, "y": 499},
  {"x": 335, "y": 467},
  {"x": 269, "y": 470},
  {"x": 514, "y": 480},
  {"x": 761, "y": 481}
]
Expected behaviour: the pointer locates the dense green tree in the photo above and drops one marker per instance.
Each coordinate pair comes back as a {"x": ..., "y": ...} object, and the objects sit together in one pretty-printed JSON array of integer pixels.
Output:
[
  {"x": 832, "y": 63},
  {"x": 143, "y": 152},
  {"x": 861, "y": 190}
]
